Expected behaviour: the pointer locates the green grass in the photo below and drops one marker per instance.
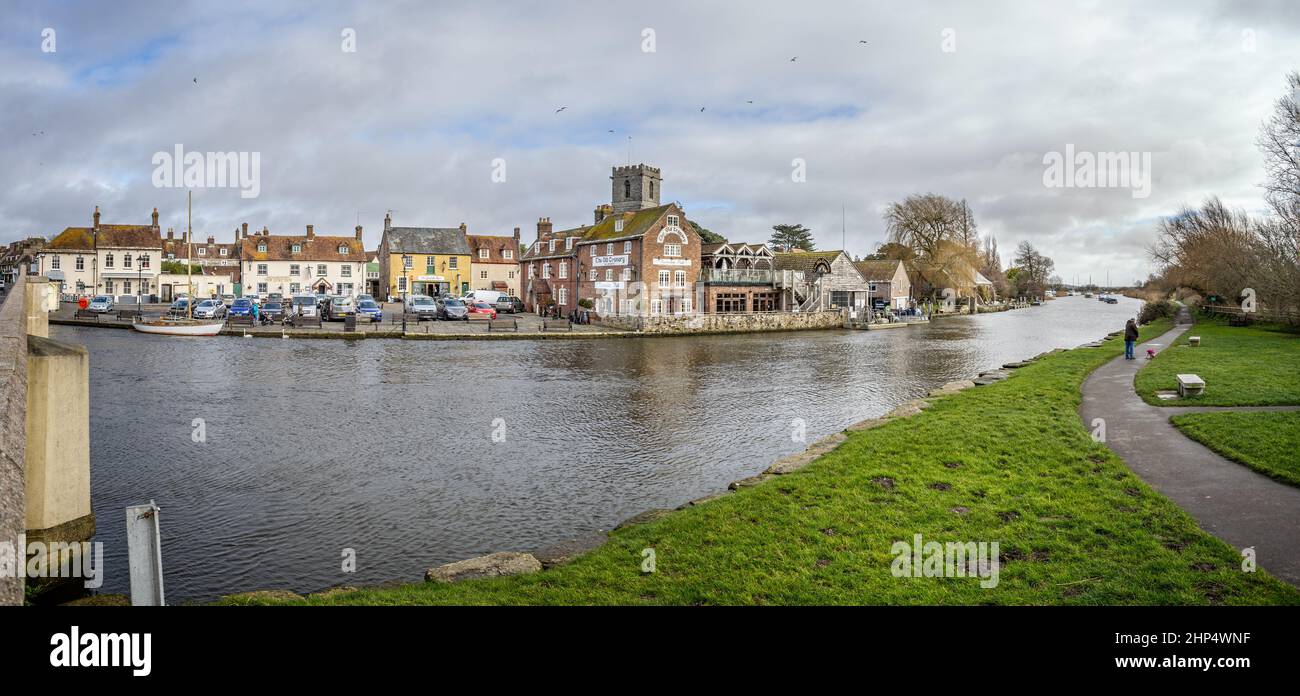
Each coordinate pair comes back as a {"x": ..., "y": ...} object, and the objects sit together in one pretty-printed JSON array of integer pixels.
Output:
[
  {"x": 1266, "y": 442},
  {"x": 1010, "y": 463},
  {"x": 1241, "y": 366}
]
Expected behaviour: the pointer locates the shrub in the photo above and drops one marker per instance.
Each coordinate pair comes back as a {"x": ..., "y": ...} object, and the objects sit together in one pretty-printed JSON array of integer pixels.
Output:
[{"x": 1156, "y": 310}]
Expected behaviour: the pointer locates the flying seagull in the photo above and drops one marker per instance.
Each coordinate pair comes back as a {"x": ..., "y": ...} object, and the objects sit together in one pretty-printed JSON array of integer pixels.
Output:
[
  {"x": 701, "y": 109},
  {"x": 862, "y": 41},
  {"x": 196, "y": 80},
  {"x": 611, "y": 130},
  {"x": 562, "y": 108},
  {"x": 794, "y": 59},
  {"x": 749, "y": 101}
]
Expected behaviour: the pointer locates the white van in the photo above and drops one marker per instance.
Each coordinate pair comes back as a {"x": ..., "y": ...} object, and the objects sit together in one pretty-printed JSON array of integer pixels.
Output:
[
  {"x": 488, "y": 296},
  {"x": 304, "y": 306}
]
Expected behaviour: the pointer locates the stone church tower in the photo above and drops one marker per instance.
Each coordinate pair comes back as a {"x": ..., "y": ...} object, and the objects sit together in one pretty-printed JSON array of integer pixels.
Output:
[{"x": 635, "y": 188}]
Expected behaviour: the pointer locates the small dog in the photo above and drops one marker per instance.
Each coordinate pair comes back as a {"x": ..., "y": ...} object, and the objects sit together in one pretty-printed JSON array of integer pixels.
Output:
[{"x": 1151, "y": 353}]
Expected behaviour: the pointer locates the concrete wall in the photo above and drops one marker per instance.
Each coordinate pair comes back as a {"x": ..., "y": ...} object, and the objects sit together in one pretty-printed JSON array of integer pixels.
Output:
[
  {"x": 13, "y": 431},
  {"x": 58, "y": 441},
  {"x": 728, "y": 323}
]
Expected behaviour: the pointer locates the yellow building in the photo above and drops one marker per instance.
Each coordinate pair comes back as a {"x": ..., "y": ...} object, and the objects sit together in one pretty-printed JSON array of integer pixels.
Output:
[{"x": 424, "y": 261}]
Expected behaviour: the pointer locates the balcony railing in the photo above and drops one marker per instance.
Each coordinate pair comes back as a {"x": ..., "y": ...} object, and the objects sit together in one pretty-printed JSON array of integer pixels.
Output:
[{"x": 736, "y": 275}]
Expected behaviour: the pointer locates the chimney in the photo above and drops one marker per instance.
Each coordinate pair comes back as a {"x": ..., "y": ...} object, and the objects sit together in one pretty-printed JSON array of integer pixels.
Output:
[
  {"x": 245, "y": 228},
  {"x": 602, "y": 211},
  {"x": 96, "y": 217},
  {"x": 388, "y": 221},
  {"x": 265, "y": 231},
  {"x": 543, "y": 227},
  {"x": 171, "y": 231},
  {"x": 358, "y": 232},
  {"x": 155, "y": 218},
  {"x": 516, "y": 236},
  {"x": 311, "y": 233},
  {"x": 212, "y": 240}
]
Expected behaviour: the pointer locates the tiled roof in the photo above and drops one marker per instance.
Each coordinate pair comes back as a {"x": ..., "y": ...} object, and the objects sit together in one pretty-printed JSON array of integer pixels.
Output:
[
  {"x": 427, "y": 240},
  {"x": 803, "y": 260},
  {"x": 634, "y": 224},
  {"x": 318, "y": 248},
  {"x": 78, "y": 238},
  {"x": 877, "y": 270},
  {"x": 495, "y": 245},
  {"x": 110, "y": 236}
]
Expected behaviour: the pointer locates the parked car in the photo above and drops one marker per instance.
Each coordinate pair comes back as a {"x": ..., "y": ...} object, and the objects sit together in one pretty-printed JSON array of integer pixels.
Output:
[
  {"x": 272, "y": 311},
  {"x": 422, "y": 305},
  {"x": 370, "y": 308},
  {"x": 243, "y": 307},
  {"x": 339, "y": 307},
  {"x": 304, "y": 306},
  {"x": 366, "y": 296},
  {"x": 275, "y": 297},
  {"x": 180, "y": 308},
  {"x": 209, "y": 309},
  {"x": 509, "y": 305},
  {"x": 101, "y": 304},
  {"x": 488, "y": 296},
  {"x": 450, "y": 308},
  {"x": 483, "y": 308},
  {"x": 228, "y": 300}
]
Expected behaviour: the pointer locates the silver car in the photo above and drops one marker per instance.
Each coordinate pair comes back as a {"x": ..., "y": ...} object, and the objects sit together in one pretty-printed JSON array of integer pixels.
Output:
[
  {"x": 210, "y": 309},
  {"x": 101, "y": 304},
  {"x": 423, "y": 305}
]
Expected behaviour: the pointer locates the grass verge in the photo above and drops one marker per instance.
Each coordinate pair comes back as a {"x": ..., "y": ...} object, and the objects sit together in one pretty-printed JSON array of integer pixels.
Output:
[
  {"x": 1264, "y": 441},
  {"x": 1242, "y": 366},
  {"x": 1010, "y": 463}
]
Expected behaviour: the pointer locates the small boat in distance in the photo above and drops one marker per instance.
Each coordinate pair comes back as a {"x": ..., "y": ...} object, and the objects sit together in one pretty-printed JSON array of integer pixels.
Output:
[{"x": 186, "y": 325}]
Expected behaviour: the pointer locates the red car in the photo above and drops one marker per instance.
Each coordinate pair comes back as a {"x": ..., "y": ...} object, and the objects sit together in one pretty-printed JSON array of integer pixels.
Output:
[{"x": 483, "y": 308}]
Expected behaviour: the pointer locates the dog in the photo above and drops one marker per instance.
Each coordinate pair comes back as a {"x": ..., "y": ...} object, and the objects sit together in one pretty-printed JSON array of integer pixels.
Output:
[{"x": 1151, "y": 353}]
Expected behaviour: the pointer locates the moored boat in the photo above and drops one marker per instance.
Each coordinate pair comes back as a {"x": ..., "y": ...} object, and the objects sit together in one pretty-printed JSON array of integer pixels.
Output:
[{"x": 179, "y": 326}]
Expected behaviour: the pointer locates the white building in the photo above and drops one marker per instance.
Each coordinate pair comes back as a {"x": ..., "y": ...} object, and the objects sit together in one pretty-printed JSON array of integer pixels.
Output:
[
  {"x": 309, "y": 263},
  {"x": 118, "y": 260}
]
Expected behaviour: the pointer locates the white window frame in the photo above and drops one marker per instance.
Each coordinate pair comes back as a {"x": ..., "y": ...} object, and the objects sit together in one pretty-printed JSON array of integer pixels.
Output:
[
  {"x": 618, "y": 225},
  {"x": 672, "y": 250}
]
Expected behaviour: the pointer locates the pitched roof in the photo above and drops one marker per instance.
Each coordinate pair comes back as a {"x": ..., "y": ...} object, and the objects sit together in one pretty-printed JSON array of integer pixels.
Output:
[
  {"x": 878, "y": 270},
  {"x": 426, "y": 240},
  {"x": 803, "y": 260},
  {"x": 495, "y": 245},
  {"x": 78, "y": 238},
  {"x": 635, "y": 224},
  {"x": 110, "y": 236},
  {"x": 318, "y": 248}
]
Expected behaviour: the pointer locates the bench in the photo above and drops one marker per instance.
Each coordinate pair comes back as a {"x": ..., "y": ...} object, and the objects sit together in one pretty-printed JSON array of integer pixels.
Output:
[
  {"x": 240, "y": 320},
  {"x": 299, "y": 322},
  {"x": 86, "y": 314},
  {"x": 129, "y": 313},
  {"x": 503, "y": 324},
  {"x": 1190, "y": 385},
  {"x": 553, "y": 324}
]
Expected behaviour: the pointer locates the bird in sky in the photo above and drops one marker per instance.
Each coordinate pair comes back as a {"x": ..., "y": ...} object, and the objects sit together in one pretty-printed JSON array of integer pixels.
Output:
[
  {"x": 749, "y": 101},
  {"x": 862, "y": 41},
  {"x": 196, "y": 80},
  {"x": 701, "y": 109},
  {"x": 562, "y": 108},
  {"x": 611, "y": 130},
  {"x": 794, "y": 59}
]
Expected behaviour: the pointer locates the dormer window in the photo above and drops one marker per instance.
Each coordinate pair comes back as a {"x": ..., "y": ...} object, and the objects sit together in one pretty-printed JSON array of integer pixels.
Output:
[
  {"x": 568, "y": 243},
  {"x": 343, "y": 249},
  {"x": 508, "y": 254},
  {"x": 261, "y": 248},
  {"x": 224, "y": 251},
  {"x": 618, "y": 225},
  {"x": 203, "y": 251},
  {"x": 482, "y": 253},
  {"x": 296, "y": 248},
  {"x": 672, "y": 221}
]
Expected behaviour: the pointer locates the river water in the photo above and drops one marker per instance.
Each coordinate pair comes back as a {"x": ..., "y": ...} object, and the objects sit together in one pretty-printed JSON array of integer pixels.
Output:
[{"x": 416, "y": 453}]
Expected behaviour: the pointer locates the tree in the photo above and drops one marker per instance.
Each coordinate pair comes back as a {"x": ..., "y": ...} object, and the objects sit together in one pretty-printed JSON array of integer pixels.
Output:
[
  {"x": 1279, "y": 140},
  {"x": 1035, "y": 269},
  {"x": 791, "y": 237},
  {"x": 705, "y": 235},
  {"x": 890, "y": 251}
]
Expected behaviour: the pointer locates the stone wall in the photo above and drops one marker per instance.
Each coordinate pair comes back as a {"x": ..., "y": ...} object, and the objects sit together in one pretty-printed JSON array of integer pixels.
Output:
[
  {"x": 728, "y": 323},
  {"x": 13, "y": 430}
]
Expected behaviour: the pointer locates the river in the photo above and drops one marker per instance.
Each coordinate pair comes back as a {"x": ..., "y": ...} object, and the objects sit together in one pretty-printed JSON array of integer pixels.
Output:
[{"x": 416, "y": 453}]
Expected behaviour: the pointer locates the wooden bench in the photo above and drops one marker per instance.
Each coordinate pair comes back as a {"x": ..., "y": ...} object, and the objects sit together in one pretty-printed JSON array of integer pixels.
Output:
[
  {"x": 1190, "y": 385},
  {"x": 553, "y": 324},
  {"x": 503, "y": 324},
  {"x": 129, "y": 313},
  {"x": 299, "y": 322},
  {"x": 86, "y": 314},
  {"x": 241, "y": 320}
]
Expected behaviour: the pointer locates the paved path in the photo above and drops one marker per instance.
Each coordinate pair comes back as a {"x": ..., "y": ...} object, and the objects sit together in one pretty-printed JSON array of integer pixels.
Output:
[{"x": 1227, "y": 499}]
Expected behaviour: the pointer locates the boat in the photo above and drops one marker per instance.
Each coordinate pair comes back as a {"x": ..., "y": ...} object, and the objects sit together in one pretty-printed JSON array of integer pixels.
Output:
[{"x": 186, "y": 325}]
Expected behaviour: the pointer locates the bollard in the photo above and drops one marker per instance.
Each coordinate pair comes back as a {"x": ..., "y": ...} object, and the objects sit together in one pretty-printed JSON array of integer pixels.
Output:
[{"x": 144, "y": 554}]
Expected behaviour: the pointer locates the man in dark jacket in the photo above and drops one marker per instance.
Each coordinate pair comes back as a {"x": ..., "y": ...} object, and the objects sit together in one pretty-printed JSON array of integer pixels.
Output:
[{"x": 1130, "y": 338}]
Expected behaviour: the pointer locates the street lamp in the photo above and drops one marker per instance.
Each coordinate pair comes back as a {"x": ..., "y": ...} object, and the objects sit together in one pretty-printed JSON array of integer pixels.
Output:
[{"x": 139, "y": 284}]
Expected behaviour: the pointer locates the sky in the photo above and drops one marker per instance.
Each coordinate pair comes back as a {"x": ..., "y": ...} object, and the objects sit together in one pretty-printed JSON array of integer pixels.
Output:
[{"x": 758, "y": 113}]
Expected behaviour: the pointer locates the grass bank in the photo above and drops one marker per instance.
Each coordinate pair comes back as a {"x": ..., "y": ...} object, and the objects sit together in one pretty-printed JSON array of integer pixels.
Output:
[
  {"x": 1266, "y": 442},
  {"x": 1242, "y": 366},
  {"x": 1008, "y": 463}
]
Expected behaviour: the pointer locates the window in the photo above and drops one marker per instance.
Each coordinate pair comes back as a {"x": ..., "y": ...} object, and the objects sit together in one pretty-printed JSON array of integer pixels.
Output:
[
  {"x": 262, "y": 247},
  {"x": 626, "y": 275},
  {"x": 562, "y": 297},
  {"x": 482, "y": 275},
  {"x": 672, "y": 221},
  {"x": 223, "y": 252},
  {"x": 126, "y": 287},
  {"x": 686, "y": 305},
  {"x": 343, "y": 249},
  {"x": 81, "y": 287},
  {"x": 261, "y": 288},
  {"x": 345, "y": 271},
  {"x": 679, "y": 279},
  {"x": 568, "y": 243},
  {"x": 872, "y": 287},
  {"x": 80, "y": 263},
  {"x": 401, "y": 284},
  {"x": 295, "y": 288},
  {"x": 507, "y": 254},
  {"x": 296, "y": 248},
  {"x": 261, "y": 269},
  {"x": 609, "y": 274},
  {"x": 618, "y": 225},
  {"x": 451, "y": 262},
  {"x": 321, "y": 269},
  {"x": 841, "y": 298},
  {"x": 406, "y": 262},
  {"x": 126, "y": 261},
  {"x": 652, "y": 189},
  {"x": 593, "y": 274},
  {"x": 54, "y": 262},
  {"x": 609, "y": 249},
  {"x": 656, "y": 306},
  {"x": 144, "y": 261},
  {"x": 203, "y": 251},
  {"x": 663, "y": 277},
  {"x": 729, "y": 303},
  {"x": 512, "y": 275},
  {"x": 295, "y": 269},
  {"x": 429, "y": 263},
  {"x": 552, "y": 243},
  {"x": 108, "y": 287},
  {"x": 672, "y": 250},
  {"x": 482, "y": 253},
  {"x": 627, "y": 188},
  {"x": 532, "y": 271},
  {"x": 564, "y": 269},
  {"x": 627, "y": 247},
  {"x": 592, "y": 250},
  {"x": 108, "y": 260},
  {"x": 546, "y": 270}
]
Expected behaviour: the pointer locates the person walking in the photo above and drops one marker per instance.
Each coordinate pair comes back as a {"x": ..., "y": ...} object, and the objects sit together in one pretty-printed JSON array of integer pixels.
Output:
[{"x": 1130, "y": 338}]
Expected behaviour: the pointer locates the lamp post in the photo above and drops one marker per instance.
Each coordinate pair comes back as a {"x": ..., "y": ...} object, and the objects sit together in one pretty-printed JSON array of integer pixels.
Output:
[{"x": 139, "y": 284}]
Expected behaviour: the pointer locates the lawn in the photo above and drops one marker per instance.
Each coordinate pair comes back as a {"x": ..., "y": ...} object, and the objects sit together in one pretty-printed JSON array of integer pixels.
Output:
[
  {"x": 1008, "y": 463},
  {"x": 1242, "y": 366},
  {"x": 1266, "y": 442}
]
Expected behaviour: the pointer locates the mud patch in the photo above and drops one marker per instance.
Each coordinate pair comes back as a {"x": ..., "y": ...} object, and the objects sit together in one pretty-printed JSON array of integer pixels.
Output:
[{"x": 884, "y": 482}]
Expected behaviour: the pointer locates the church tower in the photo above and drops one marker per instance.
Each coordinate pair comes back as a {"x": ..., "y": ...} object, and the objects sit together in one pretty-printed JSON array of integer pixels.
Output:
[{"x": 635, "y": 188}]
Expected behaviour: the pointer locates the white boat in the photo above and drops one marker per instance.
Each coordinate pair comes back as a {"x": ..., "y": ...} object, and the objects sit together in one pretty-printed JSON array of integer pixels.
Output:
[{"x": 179, "y": 326}]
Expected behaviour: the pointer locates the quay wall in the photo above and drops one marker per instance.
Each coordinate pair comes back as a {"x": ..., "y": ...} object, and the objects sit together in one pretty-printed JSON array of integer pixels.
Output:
[
  {"x": 728, "y": 323},
  {"x": 13, "y": 430}
]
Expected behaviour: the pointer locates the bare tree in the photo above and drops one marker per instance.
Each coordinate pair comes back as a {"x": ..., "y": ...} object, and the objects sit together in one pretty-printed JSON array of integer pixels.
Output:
[
  {"x": 1035, "y": 269},
  {"x": 1279, "y": 141}
]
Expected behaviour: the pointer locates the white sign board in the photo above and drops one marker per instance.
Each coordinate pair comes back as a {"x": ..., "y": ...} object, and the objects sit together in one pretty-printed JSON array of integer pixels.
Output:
[
  {"x": 610, "y": 285},
  {"x": 672, "y": 262},
  {"x": 609, "y": 260}
]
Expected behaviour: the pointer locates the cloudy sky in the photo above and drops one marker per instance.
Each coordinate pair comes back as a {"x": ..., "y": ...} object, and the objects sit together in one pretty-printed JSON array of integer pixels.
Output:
[{"x": 963, "y": 99}]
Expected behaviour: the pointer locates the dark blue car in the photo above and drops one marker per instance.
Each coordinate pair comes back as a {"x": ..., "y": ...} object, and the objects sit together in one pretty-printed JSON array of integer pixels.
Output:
[
  {"x": 243, "y": 307},
  {"x": 368, "y": 308}
]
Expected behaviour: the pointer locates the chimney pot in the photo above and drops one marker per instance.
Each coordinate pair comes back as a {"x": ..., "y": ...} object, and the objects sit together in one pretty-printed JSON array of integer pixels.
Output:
[
  {"x": 311, "y": 233},
  {"x": 96, "y": 217},
  {"x": 155, "y": 218},
  {"x": 462, "y": 227},
  {"x": 212, "y": 240},
  {"x": 388, "y": 221},
  {"x": 171, "y": 233},
  {"x": 358, "y": 231}
]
